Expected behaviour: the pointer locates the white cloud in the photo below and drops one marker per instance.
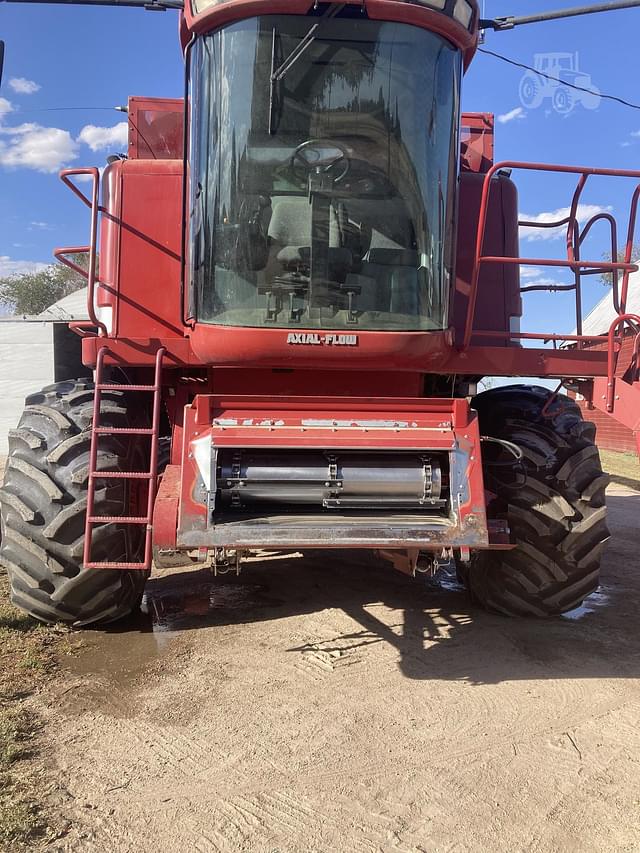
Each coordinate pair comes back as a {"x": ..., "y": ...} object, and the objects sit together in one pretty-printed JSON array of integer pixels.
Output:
[
  {"x": 534, "y": 276},
  {"x": 23, "y": 86},
  {"x": 43, "y": 226},
  {"x": 5, "y": 107},
  {"x": 98, "y": 138},
  {"x": 635, "y": 135},
  {"x": 529, "y": 272},
  {"x": 9, "y": 266},
  {"x": 517, "y": 112},
  {"x": 86, "y": 179},
  {"x": 584, "y": 212},
  {"x": 31, "y": 146},
  {"x": 545, "y": 282}
]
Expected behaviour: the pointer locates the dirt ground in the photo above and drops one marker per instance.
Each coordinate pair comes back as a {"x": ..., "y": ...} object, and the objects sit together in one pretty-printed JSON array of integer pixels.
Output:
[{"x": 326, "y": 704}]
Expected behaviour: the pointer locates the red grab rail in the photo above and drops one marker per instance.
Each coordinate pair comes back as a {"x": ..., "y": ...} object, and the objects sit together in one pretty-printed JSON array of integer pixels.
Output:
[
  {"x": 574, "y": 241},
  {"x": 613, "y": 351},
  {"x": 62, "y": 254}
]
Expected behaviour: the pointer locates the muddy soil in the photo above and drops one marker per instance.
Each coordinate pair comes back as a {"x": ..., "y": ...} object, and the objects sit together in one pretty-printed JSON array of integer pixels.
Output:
[{"x": 323, "y": 703}]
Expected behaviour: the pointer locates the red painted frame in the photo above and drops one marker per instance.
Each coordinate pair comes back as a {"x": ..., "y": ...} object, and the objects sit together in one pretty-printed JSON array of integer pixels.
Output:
[
  {"x": 347, "y": 423},
  {"x": 90, "y": 250},
  {"x": 573, "y": 261},
  {"x": 399, "y": 11},
  {"x": 179, "y": 516},
  {"x": 477, "y": 147},
  {"x": 417, "y": 352}
]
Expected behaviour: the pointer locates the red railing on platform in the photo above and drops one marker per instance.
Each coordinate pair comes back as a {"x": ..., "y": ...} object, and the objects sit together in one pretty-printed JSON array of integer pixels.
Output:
[
  {"x": 575, "y": 238},
  {"x": 91, "y": 250}
]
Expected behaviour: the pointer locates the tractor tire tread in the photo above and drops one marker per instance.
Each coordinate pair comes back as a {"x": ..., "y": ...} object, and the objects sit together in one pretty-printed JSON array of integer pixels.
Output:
[
  {"x": 43, "y": 504},
  {"x": 557, "y": 516}
]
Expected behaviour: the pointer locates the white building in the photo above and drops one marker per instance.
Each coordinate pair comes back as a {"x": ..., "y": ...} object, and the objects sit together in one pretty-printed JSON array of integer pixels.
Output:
[{"x": 35, "y": 351}]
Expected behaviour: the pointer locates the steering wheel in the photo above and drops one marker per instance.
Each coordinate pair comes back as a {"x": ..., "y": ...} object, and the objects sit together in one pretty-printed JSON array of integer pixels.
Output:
[{"x": 322, "y": 157}]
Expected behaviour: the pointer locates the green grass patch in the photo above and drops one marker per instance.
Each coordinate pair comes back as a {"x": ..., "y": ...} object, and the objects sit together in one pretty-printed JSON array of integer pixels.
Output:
[
  {"x": 20, "y": 821},
  {"x": 28, "y": 652},
  {"x": 624, "y": 468}
]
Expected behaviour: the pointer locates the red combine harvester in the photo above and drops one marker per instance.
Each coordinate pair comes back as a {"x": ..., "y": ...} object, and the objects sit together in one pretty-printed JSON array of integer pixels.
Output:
[{"x": 303, "y": 277}]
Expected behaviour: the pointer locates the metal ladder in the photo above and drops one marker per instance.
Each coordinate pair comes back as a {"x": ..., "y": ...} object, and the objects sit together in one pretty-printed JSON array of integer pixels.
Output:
[{"x": 151, "y": 475}]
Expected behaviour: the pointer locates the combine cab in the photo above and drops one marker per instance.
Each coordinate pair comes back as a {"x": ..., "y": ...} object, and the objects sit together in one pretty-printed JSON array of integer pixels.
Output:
[{"x": 305, "y": 271}]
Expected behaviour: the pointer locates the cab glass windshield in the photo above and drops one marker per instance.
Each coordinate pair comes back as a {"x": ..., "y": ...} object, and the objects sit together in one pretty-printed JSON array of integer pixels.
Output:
[{"x": 323, "y": 161}]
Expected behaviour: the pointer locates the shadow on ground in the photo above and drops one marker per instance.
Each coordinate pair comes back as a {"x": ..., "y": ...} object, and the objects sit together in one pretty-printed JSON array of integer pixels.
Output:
[{"x": 435, "y": 630}]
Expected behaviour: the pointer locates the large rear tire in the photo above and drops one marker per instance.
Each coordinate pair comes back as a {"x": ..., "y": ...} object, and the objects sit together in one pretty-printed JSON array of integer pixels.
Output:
[
  {"x": 43, "y": 508},
  {"x": 554, "y": 502}
]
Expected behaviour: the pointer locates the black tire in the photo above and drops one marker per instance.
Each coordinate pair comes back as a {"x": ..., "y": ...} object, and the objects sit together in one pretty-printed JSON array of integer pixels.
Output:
[
  {"x": 43, "y": 508},
  {"x": 554, "y": 502}
]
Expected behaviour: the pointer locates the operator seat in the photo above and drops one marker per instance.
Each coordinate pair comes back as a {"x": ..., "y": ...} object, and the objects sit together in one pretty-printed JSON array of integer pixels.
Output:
[
  {"x": 390, "y": 264},
  {"x": 290, "y": 237}
]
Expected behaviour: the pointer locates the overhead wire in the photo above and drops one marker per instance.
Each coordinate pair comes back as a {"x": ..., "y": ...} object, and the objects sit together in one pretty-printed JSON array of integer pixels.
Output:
[
  {"x": 486, "y": 51},
  {"x": 522, "y": 65},
  {"x": 59, "y": 109}
]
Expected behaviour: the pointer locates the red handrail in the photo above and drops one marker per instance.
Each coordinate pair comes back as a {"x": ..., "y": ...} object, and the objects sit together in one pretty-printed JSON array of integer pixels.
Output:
[
  {"x": 573, "y": 260},
  {"x": 613, "y": 230},
  {"x": 91, "y": 249},
  {"x": 635, "y": 358},
  {"x": 612, "y": 354}
]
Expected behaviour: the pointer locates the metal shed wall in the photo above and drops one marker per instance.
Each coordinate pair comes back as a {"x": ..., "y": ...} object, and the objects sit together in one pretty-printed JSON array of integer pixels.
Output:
[{"x": 26, "y": 365}]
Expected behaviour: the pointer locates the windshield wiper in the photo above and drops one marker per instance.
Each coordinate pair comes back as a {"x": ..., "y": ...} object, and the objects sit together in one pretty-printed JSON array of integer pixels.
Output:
[{"x": 279, "y": 73}]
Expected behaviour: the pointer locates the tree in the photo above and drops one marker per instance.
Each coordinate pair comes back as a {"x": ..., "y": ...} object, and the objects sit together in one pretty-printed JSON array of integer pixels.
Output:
[
  {"x": 606, "y": 277},
  {"x": 31, "y": 293}
]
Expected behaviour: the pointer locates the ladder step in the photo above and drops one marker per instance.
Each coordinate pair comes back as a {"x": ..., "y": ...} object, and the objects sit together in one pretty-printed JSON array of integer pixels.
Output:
[
  {"x": 105, "y": 386},
  {"x": 118, "y": 519},
  {"x": 122, "y": 431},
  {"x": 101, "y": 385},
  {"x": 121, "y": 475}
]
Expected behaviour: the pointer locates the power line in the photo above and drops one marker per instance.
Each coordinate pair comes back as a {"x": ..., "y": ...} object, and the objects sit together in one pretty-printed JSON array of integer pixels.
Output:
[
  {"x": 58, "y": 109},
  {"x": 557, "y": 79}
]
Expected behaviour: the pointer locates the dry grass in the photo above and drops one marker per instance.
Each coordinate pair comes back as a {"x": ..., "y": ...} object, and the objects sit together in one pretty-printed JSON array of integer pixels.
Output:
[
  {"x": 28, "y": 654},
  {"x": 624, "y": 468}
]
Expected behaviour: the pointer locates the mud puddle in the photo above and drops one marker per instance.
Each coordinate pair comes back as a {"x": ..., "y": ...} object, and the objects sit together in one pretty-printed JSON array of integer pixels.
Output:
[
  {"x": 121, "y": 659},
  {"x": 594, "y": 602},
  {"x": 179, "y": 601},
  {"x": 184, "y": 604}
]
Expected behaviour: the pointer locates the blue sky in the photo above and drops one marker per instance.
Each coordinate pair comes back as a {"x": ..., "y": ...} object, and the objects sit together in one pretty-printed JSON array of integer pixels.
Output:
[{"x": 84, "y": 57}]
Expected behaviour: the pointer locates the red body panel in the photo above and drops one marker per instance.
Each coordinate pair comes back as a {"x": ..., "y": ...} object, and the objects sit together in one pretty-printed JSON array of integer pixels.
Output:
[
  {"x": 140, "y": 274},
  {"x": 381, "y": 10},
  {"x": 476, "y": 140},
  {"x": 156, "y": 128},
  {"x": 499, "y": 306},
  {"x": 360, "y": 423},
  {"x": 269, "y": 390},
  {"x": 141, "y": 235}
]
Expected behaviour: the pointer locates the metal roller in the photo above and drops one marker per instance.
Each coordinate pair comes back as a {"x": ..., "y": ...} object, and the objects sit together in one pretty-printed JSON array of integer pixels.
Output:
[{"x": 340, "y": 480}]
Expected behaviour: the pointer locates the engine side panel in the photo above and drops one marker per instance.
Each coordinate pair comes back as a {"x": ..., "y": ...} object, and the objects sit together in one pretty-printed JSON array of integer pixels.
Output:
[
  {"x": 499, "y": 306},
  {"x": 140, "y": 248}
]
